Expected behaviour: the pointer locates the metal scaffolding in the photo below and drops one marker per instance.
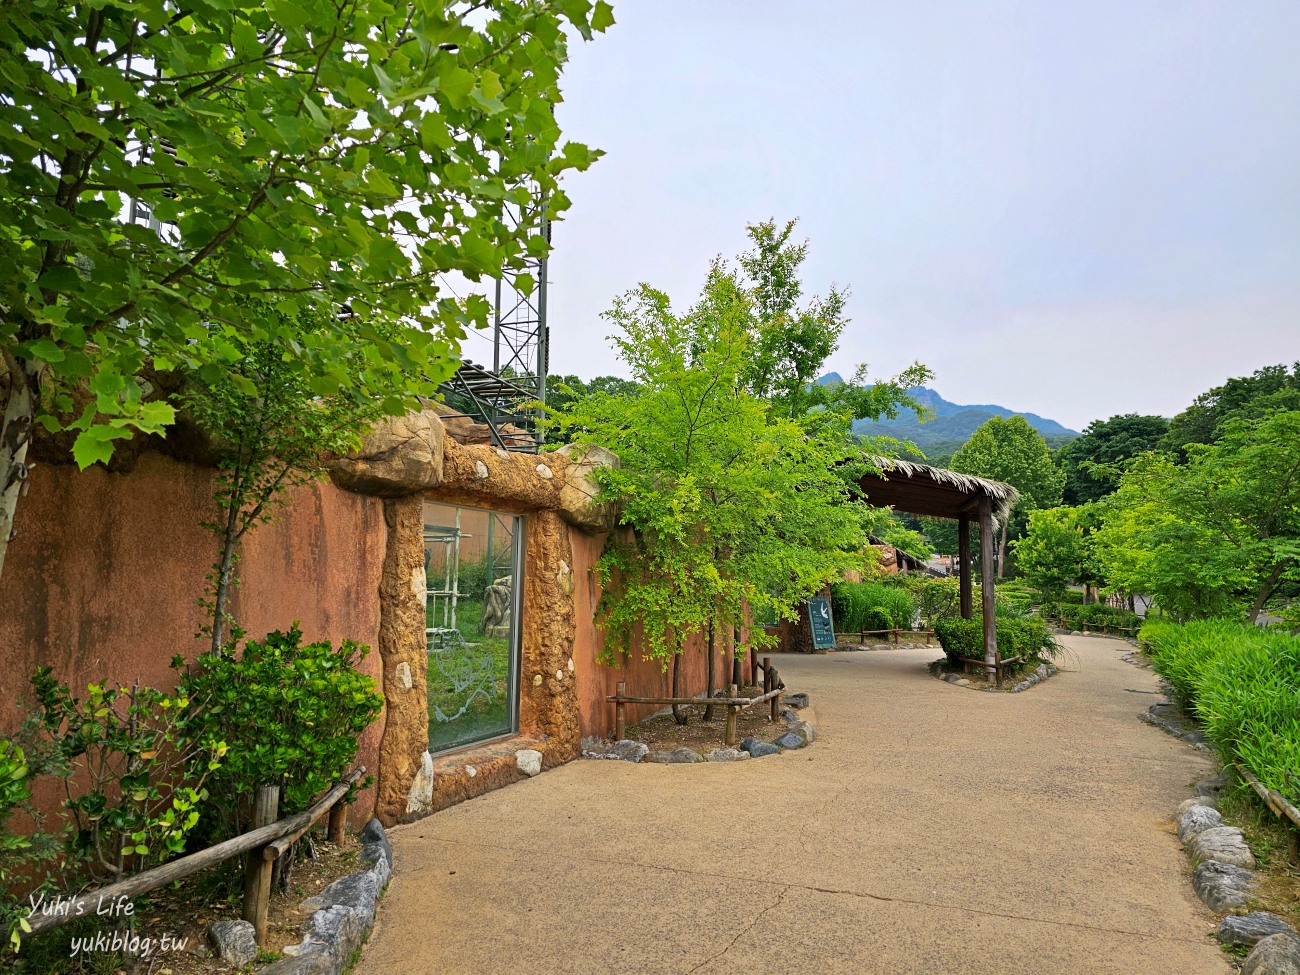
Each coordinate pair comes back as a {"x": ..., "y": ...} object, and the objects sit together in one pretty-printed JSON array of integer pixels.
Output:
[{"x": 505, "y": 396}]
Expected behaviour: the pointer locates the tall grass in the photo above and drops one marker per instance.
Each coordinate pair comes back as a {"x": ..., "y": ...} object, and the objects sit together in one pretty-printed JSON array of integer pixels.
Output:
[
  {"x": 1244, "y": 685},
  {"x": 860, "y": 606}
]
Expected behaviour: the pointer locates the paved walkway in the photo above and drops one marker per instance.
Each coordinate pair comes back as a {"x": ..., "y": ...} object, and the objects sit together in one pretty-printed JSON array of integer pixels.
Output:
[{"x": 932, "y": 829}]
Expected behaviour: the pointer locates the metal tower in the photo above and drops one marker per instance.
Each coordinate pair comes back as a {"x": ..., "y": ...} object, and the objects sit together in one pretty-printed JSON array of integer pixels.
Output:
[{"x": 504, "y": 395}]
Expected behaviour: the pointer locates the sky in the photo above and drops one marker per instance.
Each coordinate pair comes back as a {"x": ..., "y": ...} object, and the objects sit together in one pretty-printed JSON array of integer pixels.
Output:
[{"x": 1076, "y": 209}]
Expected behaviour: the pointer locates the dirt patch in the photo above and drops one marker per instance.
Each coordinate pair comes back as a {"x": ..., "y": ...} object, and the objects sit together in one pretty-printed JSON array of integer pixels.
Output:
[
  {"x": 1277, "y": 873},
  {"x": 662, "y": 733},
  {"x": 181, "y": 913}
]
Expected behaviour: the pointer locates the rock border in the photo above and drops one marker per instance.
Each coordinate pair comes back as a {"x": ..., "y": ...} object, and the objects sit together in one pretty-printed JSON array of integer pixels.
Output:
[
  {"x": 799, "y": 733},
  {"x": 343, "y": 914},
  {"x": 939, "y": 670}
]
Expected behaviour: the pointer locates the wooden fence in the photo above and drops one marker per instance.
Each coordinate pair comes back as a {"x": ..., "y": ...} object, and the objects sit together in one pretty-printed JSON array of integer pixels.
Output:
[
  {"x": 892, "y": 635},
  {"x": 261, "y": 846},
  {"x": 773, "y": 688}
]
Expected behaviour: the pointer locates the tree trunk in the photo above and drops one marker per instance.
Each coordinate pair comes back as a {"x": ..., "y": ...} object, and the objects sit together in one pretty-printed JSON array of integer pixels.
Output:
[
  {"x": 737, "y": 668},
  {"x": 223, "y": 581},
  {"x": 15, "y": 438},
  {"x": 679, "y": 712},
  {"x": 1265, "y": 590},
  {"x": 1002, "y": 547},
  {"x": 708, "y": 708}
]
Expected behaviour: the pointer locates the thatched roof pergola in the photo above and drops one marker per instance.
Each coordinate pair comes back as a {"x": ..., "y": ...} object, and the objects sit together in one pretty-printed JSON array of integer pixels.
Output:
[{"x": 920, "y": 489}]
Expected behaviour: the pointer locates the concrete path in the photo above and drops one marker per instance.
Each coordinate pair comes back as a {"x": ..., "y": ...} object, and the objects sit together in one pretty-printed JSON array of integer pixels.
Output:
[{"x": 932, "y": 829}]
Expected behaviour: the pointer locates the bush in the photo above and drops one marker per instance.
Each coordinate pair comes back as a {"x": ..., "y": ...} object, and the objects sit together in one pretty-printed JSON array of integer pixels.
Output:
[
  {"x": 1244, "y": 685},
  {"x": 1097, "y": 617},
  {"x": 290, "y": 713},
  {"x": 865, "y": 606},
  {"x": 1026, "y": 638}
]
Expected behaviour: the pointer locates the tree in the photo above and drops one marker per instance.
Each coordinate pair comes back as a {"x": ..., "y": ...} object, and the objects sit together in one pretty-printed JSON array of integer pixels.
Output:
[
  {"x": 1085, "y": 461},
  {"x": 331, "y": 157},
  {"x": 1008, "y": 449},
  {"x": 1241, "y": 397},
  {"x": 735, "y": 509},
  {"x": 1214, "y": 537},
  {"x": 563, "y": 391},
  {"x": 272, "y": 433},
  {"x": 1052, "y": 552}
]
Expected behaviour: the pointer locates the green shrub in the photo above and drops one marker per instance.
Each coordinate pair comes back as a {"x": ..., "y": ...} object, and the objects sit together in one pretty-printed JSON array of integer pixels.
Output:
[
  {"x": 1243, "y": 683},
  {"x": 1097, "y": 617},
  {"x": 865, "y": 606},
  {"x": 1026, "y": 638},
  {"x": 290, "y": 713}
]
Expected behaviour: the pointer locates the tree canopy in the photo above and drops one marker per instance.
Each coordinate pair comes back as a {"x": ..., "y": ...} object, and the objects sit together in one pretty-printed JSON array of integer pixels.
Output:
[
  {"x": 1241, "y": 397},
  {"x": 160, "y": 164},
  {"x": 1105, "y": 444}
]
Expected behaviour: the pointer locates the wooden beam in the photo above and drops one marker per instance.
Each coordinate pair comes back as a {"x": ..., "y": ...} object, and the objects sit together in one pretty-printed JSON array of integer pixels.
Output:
[
  {"x": 963, "y": 559},
  {"x": 986, "y": 582}
]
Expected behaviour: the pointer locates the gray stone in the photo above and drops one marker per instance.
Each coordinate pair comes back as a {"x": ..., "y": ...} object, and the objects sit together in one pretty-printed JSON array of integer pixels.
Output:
[
  {"x": 529, "y": 761},
  {"x": 727, "y": 755},
  {"x": 962, "y": 682},
  {"x": 757, "y": 749},
  {"x": 1278, "y": 954},
  {"x": 804, "y": 729},
  {"x": 235, "y": 942},
  {"x": 359, "y": 891},
  {"x": 1223, "y": 843},
  {"x": 374, "y": 835},
  {"x": 1042, "y": 672},
  {"x": 796, "y": 701},
  {"x": 1249, "y": 929},
  {"x": 624, "y": 750},
  {"x": 1222, "y": 886},
  {"x": 1197, "y": 820},
  {"x": 336, "y": 932},
  {"x": 1208, "y": 801},
  {"x": 678, "y": 756},
  {"x": 790, "y": 717},
  {"x": 311, "y": 964},
  {"x": 1212, "y": 787},
  {"x": 790, "y": 740}
]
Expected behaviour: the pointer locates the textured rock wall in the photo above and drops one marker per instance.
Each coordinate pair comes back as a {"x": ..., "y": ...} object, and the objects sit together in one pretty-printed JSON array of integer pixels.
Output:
[{"x": 402, "y": 649}]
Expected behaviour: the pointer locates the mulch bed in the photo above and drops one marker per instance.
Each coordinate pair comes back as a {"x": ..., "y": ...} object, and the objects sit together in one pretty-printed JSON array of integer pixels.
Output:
[
  {"x": 662, "y": 733},
  {"x": 182, "y": 913}
]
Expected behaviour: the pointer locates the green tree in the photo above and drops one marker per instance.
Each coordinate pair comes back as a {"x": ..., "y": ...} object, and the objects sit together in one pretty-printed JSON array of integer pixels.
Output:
[
  {"x": 1008, "y": 449},
  {"x": 333, "y": 157},
  {"x": 735, "y": 508},
  {"x": 1087, "y": 460},
  {"x": 1216, "y": 536},
  {"x": 1051, "y": 554},
  {"x": 1241, "y": 397}
]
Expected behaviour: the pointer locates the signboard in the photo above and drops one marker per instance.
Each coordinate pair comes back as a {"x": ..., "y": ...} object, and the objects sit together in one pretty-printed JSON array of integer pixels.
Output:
[{"x": 819, "y": 616}]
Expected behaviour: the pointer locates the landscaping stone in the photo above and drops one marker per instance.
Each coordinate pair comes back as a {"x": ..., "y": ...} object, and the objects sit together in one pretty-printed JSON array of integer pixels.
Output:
[
  {"x": 757, "y": 749},
  {"x": 358, "y": 891},
  {"x": 1222, "y": 886},
  {"x": 311, "y": 964},
  {"x": 1249, "y": 929},
  {"x": 235, "y": 942},
  {"x": 374, "y": 836},
  {"x": 1208, "y": 801},
  {"x": 1223, "y": 843},
  {"x": 624, "y": 750},
  {"x": 1212, "y": 787},
  {"x": 805, "y": 729},
  {"x": 1278, "y": 954},
  {"x": 678, "y": 756},
  {"x": 727, "y": 755},
  {"x": 1197, "y": 820},
  {"x": 529, "y": 761},
  {"x": 790, "y": 717},
  {"x": 1168, "y": 718},
  {"x": 796, "y": 701},
  {"x": 336, "y": 932},
  {"x": 790, "y": 740}
]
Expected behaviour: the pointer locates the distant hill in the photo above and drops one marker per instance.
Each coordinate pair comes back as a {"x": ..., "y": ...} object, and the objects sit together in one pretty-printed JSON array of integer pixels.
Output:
[{"x": 952, "y": 425}]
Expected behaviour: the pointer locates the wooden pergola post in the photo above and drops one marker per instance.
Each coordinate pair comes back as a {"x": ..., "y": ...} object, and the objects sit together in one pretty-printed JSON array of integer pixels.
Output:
[
  {"x": 986, "y": 583},
  {"x": 963, "y": 559}
]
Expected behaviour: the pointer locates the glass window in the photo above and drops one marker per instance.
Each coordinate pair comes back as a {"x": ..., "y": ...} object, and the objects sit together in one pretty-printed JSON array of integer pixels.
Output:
[{"x": 473, "y": 561}]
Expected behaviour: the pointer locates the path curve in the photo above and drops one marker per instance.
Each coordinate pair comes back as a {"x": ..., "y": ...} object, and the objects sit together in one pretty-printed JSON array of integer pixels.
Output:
[{"x": 931, "y": 829}]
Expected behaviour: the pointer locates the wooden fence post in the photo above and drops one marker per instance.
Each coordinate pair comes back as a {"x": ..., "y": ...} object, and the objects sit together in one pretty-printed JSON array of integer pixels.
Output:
[
  {"x": 257, "y": 870},
  {"x": 753, "y": 666},
  {"x": 338, "y": 820},
  {"x": 620, "y": 712},
  {"x": 731, "y": 718}
]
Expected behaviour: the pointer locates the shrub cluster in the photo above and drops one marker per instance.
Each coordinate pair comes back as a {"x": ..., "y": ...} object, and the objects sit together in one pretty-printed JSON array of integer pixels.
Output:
[
  {"x": 1243, "y": 683},
  {"x": 865, "y": 606},
  {"x": 1098, "y": 617},
  {"x": 1017, "y": 637}
]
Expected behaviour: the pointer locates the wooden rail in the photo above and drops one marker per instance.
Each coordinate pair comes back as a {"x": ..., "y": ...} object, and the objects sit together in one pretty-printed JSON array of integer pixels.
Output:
[
  {"x": 1277, "y": 804},
  {"x": 773, "y": 688},
  {"x": 1000, "y": 663},
  {"x": 894, "y": 634},
  {"x": 255, "y": 844}
]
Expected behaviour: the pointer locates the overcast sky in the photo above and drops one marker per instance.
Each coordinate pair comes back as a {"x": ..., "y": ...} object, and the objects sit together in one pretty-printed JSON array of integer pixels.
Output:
[{"x": 1074, "y": 209}]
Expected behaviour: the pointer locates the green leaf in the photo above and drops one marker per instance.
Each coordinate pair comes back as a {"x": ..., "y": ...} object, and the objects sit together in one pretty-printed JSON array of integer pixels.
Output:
[
  {"x": 45, "y": 350},
  {"x": 602, "y": 17}
]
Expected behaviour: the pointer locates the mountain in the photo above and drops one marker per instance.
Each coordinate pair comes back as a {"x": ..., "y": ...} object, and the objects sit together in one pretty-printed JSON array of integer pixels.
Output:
[{"x": 953, "y": 423}]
